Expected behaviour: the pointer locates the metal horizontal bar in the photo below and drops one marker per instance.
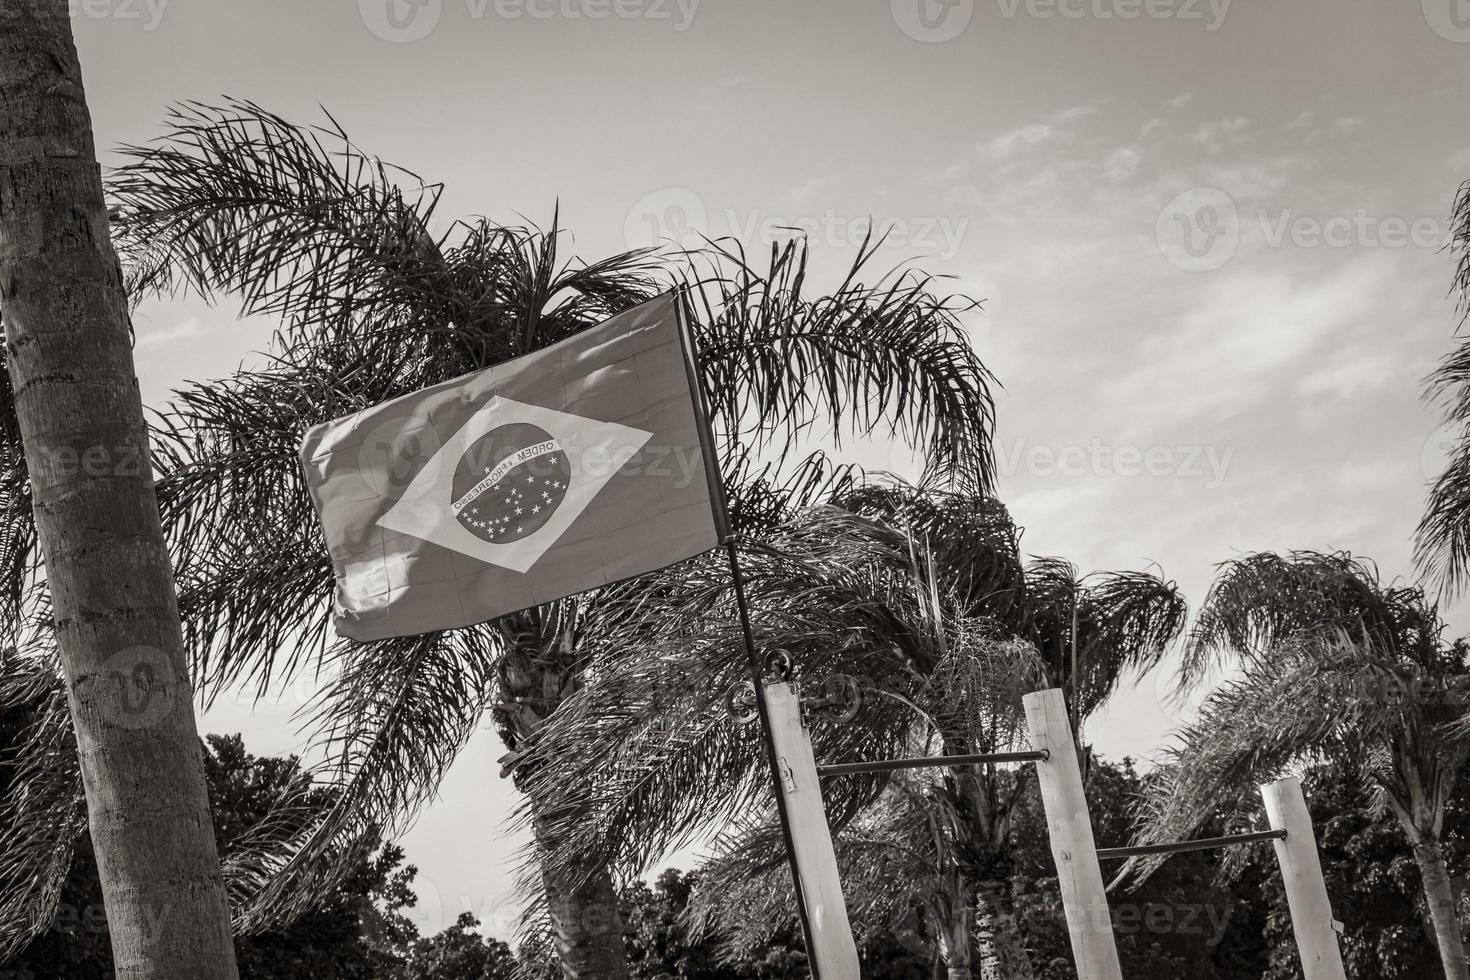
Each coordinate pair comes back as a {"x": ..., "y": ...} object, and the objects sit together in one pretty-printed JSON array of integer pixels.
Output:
[
  {"x": 1205, "y": 844},
  {"x": 887, "y": 765}
]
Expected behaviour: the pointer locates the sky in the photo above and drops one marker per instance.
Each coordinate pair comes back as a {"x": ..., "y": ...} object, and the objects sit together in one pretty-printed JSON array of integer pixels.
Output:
[{"x": 1208, "y": 236}]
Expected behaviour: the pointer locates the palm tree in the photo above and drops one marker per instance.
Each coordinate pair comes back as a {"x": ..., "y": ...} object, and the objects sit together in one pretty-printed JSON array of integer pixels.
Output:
[
  {"x": 1332, "y": 666},
  {"x": 1442, "y": 541},
  {"x": 298, "y": 224},
  {"x": 922, "y": 595},
  {"x": 74, "y": 410}
]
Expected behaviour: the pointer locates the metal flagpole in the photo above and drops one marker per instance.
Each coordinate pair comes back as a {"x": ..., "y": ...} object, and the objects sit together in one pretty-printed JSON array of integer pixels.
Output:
[
  {"x": 771, "y": 757},
  {"x": 717, "y": 500}
]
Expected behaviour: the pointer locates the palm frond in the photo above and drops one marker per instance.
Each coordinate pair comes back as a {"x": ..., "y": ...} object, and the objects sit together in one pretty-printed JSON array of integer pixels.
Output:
[
  {"x": 1127, "y": 622},
  {"x": 296, "y": 221},
  {"x": 1442, "y": 538},
  {"x": 1250, "y": 730},
  {"x": 390, "y": 723},
  {"x": 43, "y": 813},
  {"x": 971, "y": 542},
  {"x": 20, "y": 561},
  {"x": 887, "y": 357},
  {"x": 833, "y": 589},
  {"x": 1262, "y": 600}
]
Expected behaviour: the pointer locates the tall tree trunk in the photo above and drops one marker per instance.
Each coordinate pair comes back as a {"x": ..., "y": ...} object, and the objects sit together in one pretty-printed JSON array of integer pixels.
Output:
[
  {"x": 1440, "y": 895},
  {"x": 1003, "y": 953},
  {"x": 585, "y": 920},
  {"x": 954, "y": 942},
  {"x": 538, "y": 672},
  {"x": 68, "y": 348}
]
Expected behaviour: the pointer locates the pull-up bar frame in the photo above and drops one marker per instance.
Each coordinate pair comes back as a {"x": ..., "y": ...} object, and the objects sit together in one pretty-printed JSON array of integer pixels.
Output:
[
  {"x": 1179, "y": 847},
  {"x": 1069, "y": 829},
  {"x": 888, "y": 765}
]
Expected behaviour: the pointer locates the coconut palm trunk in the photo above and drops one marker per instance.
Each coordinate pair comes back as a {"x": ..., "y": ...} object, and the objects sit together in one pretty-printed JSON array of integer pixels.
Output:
[
  {"x": 538, "y": 672},
  {"x": 116, "y": 618},
  {"x": 956, "y": 933},
  {"x": 585, "y": 921},
  {"x": 1003, "y": 953},
  {"x": 1439, "y": 893}
]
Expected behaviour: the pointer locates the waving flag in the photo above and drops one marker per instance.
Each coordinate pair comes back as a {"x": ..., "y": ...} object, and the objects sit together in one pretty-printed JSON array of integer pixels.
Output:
[{"x": 577, "y": 466}]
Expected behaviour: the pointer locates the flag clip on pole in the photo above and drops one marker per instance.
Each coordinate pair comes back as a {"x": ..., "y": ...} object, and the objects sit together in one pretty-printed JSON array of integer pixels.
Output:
[
  {"x": 1069, "y": 826},
  {"x": 717, "y": 502}
]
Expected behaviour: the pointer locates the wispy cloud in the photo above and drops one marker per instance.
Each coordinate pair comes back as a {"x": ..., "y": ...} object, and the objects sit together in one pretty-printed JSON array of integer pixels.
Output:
[
  {"x": 158, "y": 336},
  {"x": 801, "y": 194},
  {"x": 1217, "y": 135},
  {"x": 1008, "y": 144}
]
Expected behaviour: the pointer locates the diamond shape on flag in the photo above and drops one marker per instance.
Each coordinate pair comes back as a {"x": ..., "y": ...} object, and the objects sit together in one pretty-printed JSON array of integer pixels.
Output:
[{"x": 510, "y": 482}]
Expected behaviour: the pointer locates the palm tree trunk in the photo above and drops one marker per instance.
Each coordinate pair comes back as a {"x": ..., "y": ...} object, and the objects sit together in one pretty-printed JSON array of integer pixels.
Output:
[
  {"x": 116, "y": 616},
  {"x": 1003, "y": 953},
  {"x": 586, "y": 922},
  {"x": 954, "y": 942},
  {"x": 538, "y": 672},
  {"x": 1440, "y": 895}
]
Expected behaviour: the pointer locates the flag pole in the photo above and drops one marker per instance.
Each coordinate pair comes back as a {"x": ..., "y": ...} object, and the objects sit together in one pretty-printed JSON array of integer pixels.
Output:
[
  {"x": 771, "y": 757},
  {"x": 729, "y": 540}
]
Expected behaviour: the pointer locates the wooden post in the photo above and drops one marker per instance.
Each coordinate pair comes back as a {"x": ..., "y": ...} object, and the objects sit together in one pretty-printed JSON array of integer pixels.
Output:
[
  {"x": 833, "y": 951},
  {"x": 1089, "y": 920},
  {"x": 1301, "y": 872}
]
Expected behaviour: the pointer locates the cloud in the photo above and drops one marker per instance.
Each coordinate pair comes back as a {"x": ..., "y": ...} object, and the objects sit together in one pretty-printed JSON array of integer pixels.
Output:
[
  {"x": 1077, "y": 112},
  {"x": 802, "y": 193},
  {"x": 1010, "y": 143},
  {"x": 1302, "y": 121},
  {"x": 1122, "y": 163},
  {"x": 1180, "y": 101},
  {"x": 164, "y": 335},
  {"x": 1050, "y": 128},
  {"x": 1225, "y": 353},
  {"x": 1215, "y": 136}
]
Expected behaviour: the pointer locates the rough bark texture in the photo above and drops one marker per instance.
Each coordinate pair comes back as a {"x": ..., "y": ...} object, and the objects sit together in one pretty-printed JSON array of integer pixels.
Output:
[
  {"x": 587, "y": 924},
  {"x": 954, "y": 942},
  {"x": 1003, "y": 953},
  {"x": 68, "y": 349},
  {"x": 537, "y": 674},
  {"x": 1440, "y": 895}
]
